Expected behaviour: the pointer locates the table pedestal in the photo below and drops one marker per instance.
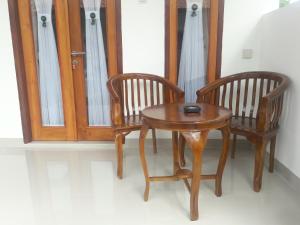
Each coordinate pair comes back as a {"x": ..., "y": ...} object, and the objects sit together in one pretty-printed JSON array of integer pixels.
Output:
[{"x": 196, "y": 142}]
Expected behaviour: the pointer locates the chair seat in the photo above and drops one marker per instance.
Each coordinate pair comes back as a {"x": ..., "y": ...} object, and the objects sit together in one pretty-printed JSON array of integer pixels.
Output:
[
  {"x": 130, "y": 123},
  {"x": 243, "y": 124},
  {"x": 247, "y": 127}
]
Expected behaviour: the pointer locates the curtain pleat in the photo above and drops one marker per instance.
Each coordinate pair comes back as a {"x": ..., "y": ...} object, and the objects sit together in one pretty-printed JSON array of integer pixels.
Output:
[
  {"x": 96, "y": 68},
  {"x": 48, "y": 66},
  {"x": 192, "y": 68}
]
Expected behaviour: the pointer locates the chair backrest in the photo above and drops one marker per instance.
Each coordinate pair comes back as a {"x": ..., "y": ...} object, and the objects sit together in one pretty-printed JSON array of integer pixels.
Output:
[
  {"x": 249, "y": 94},
  {"x": 135, "y": 91}
]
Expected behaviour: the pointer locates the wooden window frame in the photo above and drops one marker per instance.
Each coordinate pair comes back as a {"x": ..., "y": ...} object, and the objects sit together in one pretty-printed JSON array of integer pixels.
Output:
[
  {"x": 13, "y": 6},
  {"x": 215, "y": 40}
]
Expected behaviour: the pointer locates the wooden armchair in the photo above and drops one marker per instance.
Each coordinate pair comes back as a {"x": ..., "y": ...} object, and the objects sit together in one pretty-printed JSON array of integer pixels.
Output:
[
  {"x": 131, "y": 93},
  {"x": 256, "y": 100}
]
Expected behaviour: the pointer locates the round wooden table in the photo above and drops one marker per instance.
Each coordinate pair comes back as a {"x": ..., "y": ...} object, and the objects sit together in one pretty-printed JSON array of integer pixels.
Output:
[{"x": 194, "y": 128}]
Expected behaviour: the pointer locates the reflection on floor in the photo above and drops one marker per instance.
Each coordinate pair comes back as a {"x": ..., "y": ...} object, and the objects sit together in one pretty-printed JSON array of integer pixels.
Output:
[{"x": 71, "y": 187}]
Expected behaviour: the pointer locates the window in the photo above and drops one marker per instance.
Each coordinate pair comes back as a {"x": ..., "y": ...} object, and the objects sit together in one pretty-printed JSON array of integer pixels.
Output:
[{"x": 283, "y": 3}]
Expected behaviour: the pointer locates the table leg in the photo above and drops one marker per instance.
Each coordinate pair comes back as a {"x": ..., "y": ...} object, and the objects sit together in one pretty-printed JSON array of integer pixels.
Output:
[
  {"x": 197, "y": 142},
  {"x": 222, "y": 161},
  {"x": 175, "y": 152},
  {"x": 181, "y": 150},
  {"x": 143, "y": 135}
]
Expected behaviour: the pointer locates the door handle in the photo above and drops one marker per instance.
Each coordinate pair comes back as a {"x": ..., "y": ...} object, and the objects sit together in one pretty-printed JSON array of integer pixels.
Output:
[
  {"x": 76, "y": 53},
  {"x": 75, "y": 63}
]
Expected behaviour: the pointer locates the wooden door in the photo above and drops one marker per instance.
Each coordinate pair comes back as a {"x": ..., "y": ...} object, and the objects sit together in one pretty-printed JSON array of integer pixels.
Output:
[
  {"x": 67, "y": 18},
  {"x": 28, "y": 28},
  {"x": 175, "y": 14},
  {"x": 110, "y": 12}
]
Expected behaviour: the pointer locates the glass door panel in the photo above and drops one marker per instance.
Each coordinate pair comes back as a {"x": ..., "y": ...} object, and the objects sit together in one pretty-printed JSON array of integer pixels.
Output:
[
  {"x": 192, "y": 45},
  {"x": 93, "y": 21},
  {"x": 48, "y": 69},
  {"x": 94, "y": 59},
  {"x": 182, "y": 9}
]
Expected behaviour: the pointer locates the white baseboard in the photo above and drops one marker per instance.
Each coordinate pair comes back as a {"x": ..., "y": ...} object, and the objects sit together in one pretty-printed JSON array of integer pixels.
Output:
[
  {"x": 285, "y": 173},
  {"x": 46, "y": 145}
]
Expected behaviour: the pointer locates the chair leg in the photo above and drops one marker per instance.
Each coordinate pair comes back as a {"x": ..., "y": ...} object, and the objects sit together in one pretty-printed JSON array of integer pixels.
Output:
[
  {"x": 233, "y": 147},
  {"x": 154, "y": 141},
  {"x": 272, "y": 154},
  {"x": 181, "y": 150},
  {"x": 259, "y": 164},
  {"x": 119, "y": 147}
]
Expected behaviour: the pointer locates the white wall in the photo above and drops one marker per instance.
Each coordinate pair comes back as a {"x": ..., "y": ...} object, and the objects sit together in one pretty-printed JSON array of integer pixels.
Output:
[
  {"x": 143, "y": 31},
  {"x": 280, "y": 52},
  {"x": 241, "y": 31},
  {"x": 10, "y": 122}
]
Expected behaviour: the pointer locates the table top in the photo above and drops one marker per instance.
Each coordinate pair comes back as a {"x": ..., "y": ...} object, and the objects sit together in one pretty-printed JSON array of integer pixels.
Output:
[{"x": 172, "y": 117}]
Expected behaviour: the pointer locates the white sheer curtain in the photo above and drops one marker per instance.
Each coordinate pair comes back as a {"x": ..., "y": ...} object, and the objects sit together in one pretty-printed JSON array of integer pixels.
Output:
[
  {"x": 192, "y": 66},
  {"x": 98, "y": 97},
  {"x": 49, "y": 72}
]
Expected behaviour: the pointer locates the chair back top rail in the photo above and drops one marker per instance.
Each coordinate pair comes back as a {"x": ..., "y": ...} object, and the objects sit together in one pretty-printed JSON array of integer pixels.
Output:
[
  {"x": 254, "y": 95},
  {"x": 132, "y": 92}
]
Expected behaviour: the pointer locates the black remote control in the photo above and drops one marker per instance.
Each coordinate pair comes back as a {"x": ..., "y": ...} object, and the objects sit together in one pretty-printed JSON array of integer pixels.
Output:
[{"x": 192, "y": 109}]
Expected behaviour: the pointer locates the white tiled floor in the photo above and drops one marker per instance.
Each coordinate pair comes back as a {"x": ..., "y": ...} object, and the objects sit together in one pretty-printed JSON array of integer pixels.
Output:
[{"x": 72, "y": 187}]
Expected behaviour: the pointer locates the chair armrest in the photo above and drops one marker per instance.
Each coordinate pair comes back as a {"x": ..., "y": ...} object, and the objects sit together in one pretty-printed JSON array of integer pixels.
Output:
[
  {"x": 181, "y": 96},
  {"x": 270, "y": 108},
  {"x": 206, "y": 94},
  {"x": 113, "y": 93},
  {"x": 116, "y": 114},
  {"x": 116, "y": 109},
  {"x": 175, "y": 89}
]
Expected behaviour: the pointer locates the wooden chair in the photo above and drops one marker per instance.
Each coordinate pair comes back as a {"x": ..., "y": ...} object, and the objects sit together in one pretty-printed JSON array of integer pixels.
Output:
[
  {"x": 256, "y": 100},
  {"x": 131, "y": 93}
]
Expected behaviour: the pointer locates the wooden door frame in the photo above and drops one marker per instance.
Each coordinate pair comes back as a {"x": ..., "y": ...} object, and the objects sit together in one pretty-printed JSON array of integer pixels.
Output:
[
  {"x": 40, "y": 132},
  {"x": 27, "y": 128},
  {"x": 20, "y": 69},
  {"x": 215, "y": 40}
]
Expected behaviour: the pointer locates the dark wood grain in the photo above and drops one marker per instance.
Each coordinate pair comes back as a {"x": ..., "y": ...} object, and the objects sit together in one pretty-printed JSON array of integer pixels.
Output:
[
  {"x": 132, "y": 96},
  {"x": 253, "y": 97},
  {"x": 237, "y": 102},
  {"x": 127, "y": 119},
  {"x": 224, "y": 95},
  {"x": 220, "y": 38},
  {"x": 126, "y": 96},
  {"x": 258, "y": 126},
  {"x": 157, "y": 93},
  {"x": 245, "y": 97},
  {"x": 20, "y": 70},
  {"x": 139, "y": 94},
  {"x": 194, "y": 130},
  {"x": 174, "y": 116},
  {"x": 231, "y": 95},
  {"x": 118, "y": 8},
  {"x": 151, "y": 93},
  {"x": 145, "y": 92}
]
